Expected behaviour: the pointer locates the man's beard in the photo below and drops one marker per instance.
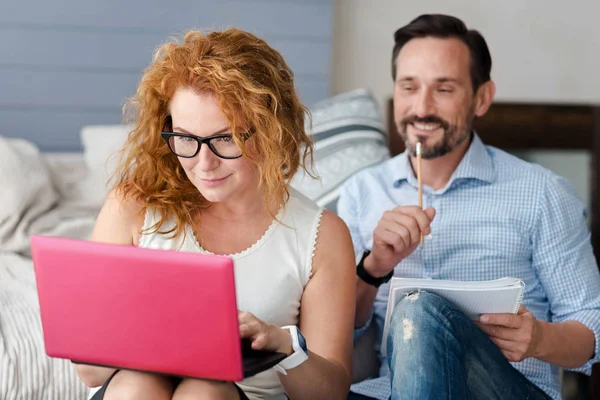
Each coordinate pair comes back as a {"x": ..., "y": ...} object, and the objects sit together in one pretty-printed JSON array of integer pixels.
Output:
[{"x": 453, "y": 136}]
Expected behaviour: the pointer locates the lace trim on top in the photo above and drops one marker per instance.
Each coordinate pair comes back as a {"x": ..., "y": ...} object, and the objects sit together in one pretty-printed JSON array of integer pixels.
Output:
[
  {"x": 313, "y": 242},
  {"x": 242, "y": 253}
]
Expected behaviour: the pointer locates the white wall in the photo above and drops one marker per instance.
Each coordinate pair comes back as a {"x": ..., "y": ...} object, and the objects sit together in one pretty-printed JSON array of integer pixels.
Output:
[{"x": 535, "y": 55}]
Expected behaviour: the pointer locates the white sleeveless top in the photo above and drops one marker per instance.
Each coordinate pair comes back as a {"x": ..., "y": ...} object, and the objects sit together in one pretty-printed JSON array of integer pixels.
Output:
[{"x": 270, "y": 276}]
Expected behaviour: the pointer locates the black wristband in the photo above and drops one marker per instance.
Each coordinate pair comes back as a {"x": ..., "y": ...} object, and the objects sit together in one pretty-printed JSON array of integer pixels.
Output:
[{"x": 368, "y": 278}]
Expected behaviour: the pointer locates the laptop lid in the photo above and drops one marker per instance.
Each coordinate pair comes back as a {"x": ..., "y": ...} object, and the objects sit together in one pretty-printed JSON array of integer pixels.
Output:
[{"x": 143, "y": 309}]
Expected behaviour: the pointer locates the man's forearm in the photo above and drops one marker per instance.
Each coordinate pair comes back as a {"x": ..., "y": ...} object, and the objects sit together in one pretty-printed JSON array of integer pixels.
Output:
[
  {"x": 568, "y": 344},
  {"x": 365, "y": 297},
  {"x": 365, "y": 293}
]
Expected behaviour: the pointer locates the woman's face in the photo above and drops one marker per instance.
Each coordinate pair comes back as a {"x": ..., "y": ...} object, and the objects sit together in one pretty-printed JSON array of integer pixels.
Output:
[{"x": 218, "y": 180}]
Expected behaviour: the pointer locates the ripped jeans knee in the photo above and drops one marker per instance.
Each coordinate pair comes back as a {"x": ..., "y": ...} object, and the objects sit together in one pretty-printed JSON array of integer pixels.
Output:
[{"x": 417, "y": 313}]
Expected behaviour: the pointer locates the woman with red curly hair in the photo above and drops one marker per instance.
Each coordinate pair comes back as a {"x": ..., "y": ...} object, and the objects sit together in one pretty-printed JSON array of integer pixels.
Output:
[{"x": 218, "y": 134}]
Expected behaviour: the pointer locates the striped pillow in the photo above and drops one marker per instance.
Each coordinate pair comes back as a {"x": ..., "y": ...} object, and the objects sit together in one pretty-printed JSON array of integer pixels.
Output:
[{"x": 348, "y": 134}]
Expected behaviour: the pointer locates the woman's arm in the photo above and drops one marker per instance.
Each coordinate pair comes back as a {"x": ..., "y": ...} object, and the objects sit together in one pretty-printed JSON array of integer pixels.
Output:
[
  {"x": 119, "y": 223},
  {"x": 327, "y": 318}
]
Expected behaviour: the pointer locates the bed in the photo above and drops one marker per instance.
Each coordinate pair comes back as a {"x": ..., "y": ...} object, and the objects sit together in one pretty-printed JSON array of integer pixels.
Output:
[
  {"x": 60, "y": 194},
  {"x": 38, "y": 196}
]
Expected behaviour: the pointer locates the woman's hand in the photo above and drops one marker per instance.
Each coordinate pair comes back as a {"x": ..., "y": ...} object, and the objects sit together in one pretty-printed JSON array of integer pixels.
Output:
[{"x": 264, "y": 336}]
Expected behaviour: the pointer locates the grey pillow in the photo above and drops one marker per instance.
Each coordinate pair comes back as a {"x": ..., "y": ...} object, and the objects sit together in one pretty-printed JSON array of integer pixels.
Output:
[{"x": 349, "y": 135}]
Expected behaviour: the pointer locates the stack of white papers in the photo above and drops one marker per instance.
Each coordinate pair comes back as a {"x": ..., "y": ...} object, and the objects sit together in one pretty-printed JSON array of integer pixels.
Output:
[{"x": 473, "y": 298}]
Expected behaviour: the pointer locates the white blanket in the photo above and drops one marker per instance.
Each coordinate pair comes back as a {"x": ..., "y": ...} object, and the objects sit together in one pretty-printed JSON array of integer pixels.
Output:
[
  {"x": 26, "y": 372},
  {"x": 33, "y": 199},
  {"x": 27, "y": 193},
  {"x": 31, "y": 203}
]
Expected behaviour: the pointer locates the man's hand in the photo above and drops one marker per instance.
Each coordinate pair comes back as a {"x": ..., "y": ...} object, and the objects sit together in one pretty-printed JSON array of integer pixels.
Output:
[
  {"x": 517, "y": 336},
  {"x": 397, "y": 234}
]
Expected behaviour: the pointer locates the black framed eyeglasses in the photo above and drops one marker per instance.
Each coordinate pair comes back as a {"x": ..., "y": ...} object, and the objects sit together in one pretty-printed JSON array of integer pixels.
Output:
[{"x": 187, "y": 146}]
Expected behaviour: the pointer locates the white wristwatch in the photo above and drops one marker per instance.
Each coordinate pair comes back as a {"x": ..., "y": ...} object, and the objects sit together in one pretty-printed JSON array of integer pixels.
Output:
[{"x": 300, "y": 353}]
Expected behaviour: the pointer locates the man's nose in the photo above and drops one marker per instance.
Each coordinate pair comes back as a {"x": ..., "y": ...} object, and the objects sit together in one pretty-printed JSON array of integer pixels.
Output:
[{"x": 424, "y": 104}]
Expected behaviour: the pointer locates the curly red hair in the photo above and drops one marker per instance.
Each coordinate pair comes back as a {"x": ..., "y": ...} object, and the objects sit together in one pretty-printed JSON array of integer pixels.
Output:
[{"x": 255, "y": 90}]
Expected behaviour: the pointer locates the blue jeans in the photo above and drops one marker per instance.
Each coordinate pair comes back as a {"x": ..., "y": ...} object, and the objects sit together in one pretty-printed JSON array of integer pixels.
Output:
[{"x": 435, "y": 352}]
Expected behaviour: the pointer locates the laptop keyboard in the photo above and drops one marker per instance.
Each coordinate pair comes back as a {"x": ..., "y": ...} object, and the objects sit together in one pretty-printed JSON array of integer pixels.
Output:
[
  {"x": 256, "y": 360},
  {"x": 249, "y": 354}
]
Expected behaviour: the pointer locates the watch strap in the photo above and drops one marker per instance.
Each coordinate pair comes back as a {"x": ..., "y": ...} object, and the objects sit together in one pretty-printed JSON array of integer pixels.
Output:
[
  {"x": 364, "y": 275},
  {"x": 300, "y": 352}
]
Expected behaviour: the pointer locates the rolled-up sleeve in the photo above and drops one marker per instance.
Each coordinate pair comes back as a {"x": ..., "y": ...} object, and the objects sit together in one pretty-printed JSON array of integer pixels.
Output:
[
  {"x": 564, "y": 260},
  {"x": 591, "y": 319}
]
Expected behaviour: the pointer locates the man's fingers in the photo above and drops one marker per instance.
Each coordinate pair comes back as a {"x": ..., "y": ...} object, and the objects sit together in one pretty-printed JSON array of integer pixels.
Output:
[
  {"x": 430, "y": 212},
  {"x": 503, "y": 344},
  {"x": 398, "y": 239},
  {"x": 522, "y": 310},
  {"x": 422, "y": 218},
  {"x": 497, "y": 331},
  {"x": 408, "y": 221},
  {"x": 388, "y": 238},
  {"x": 511, "y": 356},
  {"x": 409, "y": 216},
  {"x": 408, "y": 235},
  {"x": 508, "y": 349},
  {"x": 507, "y": 320}
]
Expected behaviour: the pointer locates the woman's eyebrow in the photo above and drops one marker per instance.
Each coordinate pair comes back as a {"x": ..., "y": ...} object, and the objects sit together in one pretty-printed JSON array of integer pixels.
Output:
[{"x": 179, "y": 129}]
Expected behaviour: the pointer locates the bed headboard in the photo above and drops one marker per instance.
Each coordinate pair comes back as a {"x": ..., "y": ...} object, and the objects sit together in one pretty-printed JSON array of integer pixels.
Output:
[
  {"x": 72, "y": 64},
  {"x": 529, "y": 126}
]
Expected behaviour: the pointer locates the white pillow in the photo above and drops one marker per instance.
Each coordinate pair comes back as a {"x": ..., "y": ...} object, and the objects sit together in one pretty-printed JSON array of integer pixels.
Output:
[
  {"x": 100, "y": 146},
  {"x": 348, "y": 135}
]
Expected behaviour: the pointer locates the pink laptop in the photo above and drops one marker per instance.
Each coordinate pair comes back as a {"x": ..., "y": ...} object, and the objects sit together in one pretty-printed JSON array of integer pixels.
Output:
[{"x": 142, "y": 309}]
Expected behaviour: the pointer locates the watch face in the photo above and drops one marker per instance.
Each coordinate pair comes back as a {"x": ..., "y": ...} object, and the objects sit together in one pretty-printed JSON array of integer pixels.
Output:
[{"x": 302, "y": 342}]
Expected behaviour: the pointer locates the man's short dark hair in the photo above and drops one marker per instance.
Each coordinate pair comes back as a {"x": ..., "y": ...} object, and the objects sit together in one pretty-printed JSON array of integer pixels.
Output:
[{"x": 446, "y": 27}]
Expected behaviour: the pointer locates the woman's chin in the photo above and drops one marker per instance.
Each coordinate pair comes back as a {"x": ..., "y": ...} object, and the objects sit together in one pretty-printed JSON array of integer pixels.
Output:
[{"x": 213, "y": 195}]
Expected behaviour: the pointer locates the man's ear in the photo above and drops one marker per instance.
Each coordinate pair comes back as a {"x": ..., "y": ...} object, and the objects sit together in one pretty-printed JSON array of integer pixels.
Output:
[{"x": 484, "y": 97}]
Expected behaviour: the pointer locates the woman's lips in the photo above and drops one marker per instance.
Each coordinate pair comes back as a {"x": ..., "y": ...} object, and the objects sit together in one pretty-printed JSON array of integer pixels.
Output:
[{"x": 214, "y": 182}]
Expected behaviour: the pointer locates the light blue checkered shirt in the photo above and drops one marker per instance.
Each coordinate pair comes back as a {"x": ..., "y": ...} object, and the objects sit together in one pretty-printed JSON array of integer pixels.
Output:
[{"x": 498, "y": 216}]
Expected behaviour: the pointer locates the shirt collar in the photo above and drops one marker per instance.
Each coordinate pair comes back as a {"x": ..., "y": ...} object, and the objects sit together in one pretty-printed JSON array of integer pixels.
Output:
[{"x": 476, "y": 164}]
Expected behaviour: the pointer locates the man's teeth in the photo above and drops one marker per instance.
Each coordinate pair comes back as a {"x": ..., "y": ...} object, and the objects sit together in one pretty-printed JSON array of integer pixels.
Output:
[{"x": 426, "y": 127}]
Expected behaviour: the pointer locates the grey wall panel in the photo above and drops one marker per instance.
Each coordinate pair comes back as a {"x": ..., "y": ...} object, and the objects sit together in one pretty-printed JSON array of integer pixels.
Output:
[
  {"x": 112, "y": 51},
  {"x": 303, "y": 19},
  {"x": 56, "y": 128},
  {"x": 83, "y": 90},
  {"x": 69, "y": 63},
  {"x": 64, "y": 88}
]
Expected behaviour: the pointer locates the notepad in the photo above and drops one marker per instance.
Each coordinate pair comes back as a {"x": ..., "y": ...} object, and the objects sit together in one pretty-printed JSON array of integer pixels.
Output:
[{"x": 473, "y": 298}]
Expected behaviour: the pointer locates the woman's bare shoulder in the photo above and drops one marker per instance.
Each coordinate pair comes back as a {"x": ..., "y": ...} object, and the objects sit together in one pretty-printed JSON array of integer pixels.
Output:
[
  {"x": 334, "y": 244},
  {"x": 120, "y": 220}
]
